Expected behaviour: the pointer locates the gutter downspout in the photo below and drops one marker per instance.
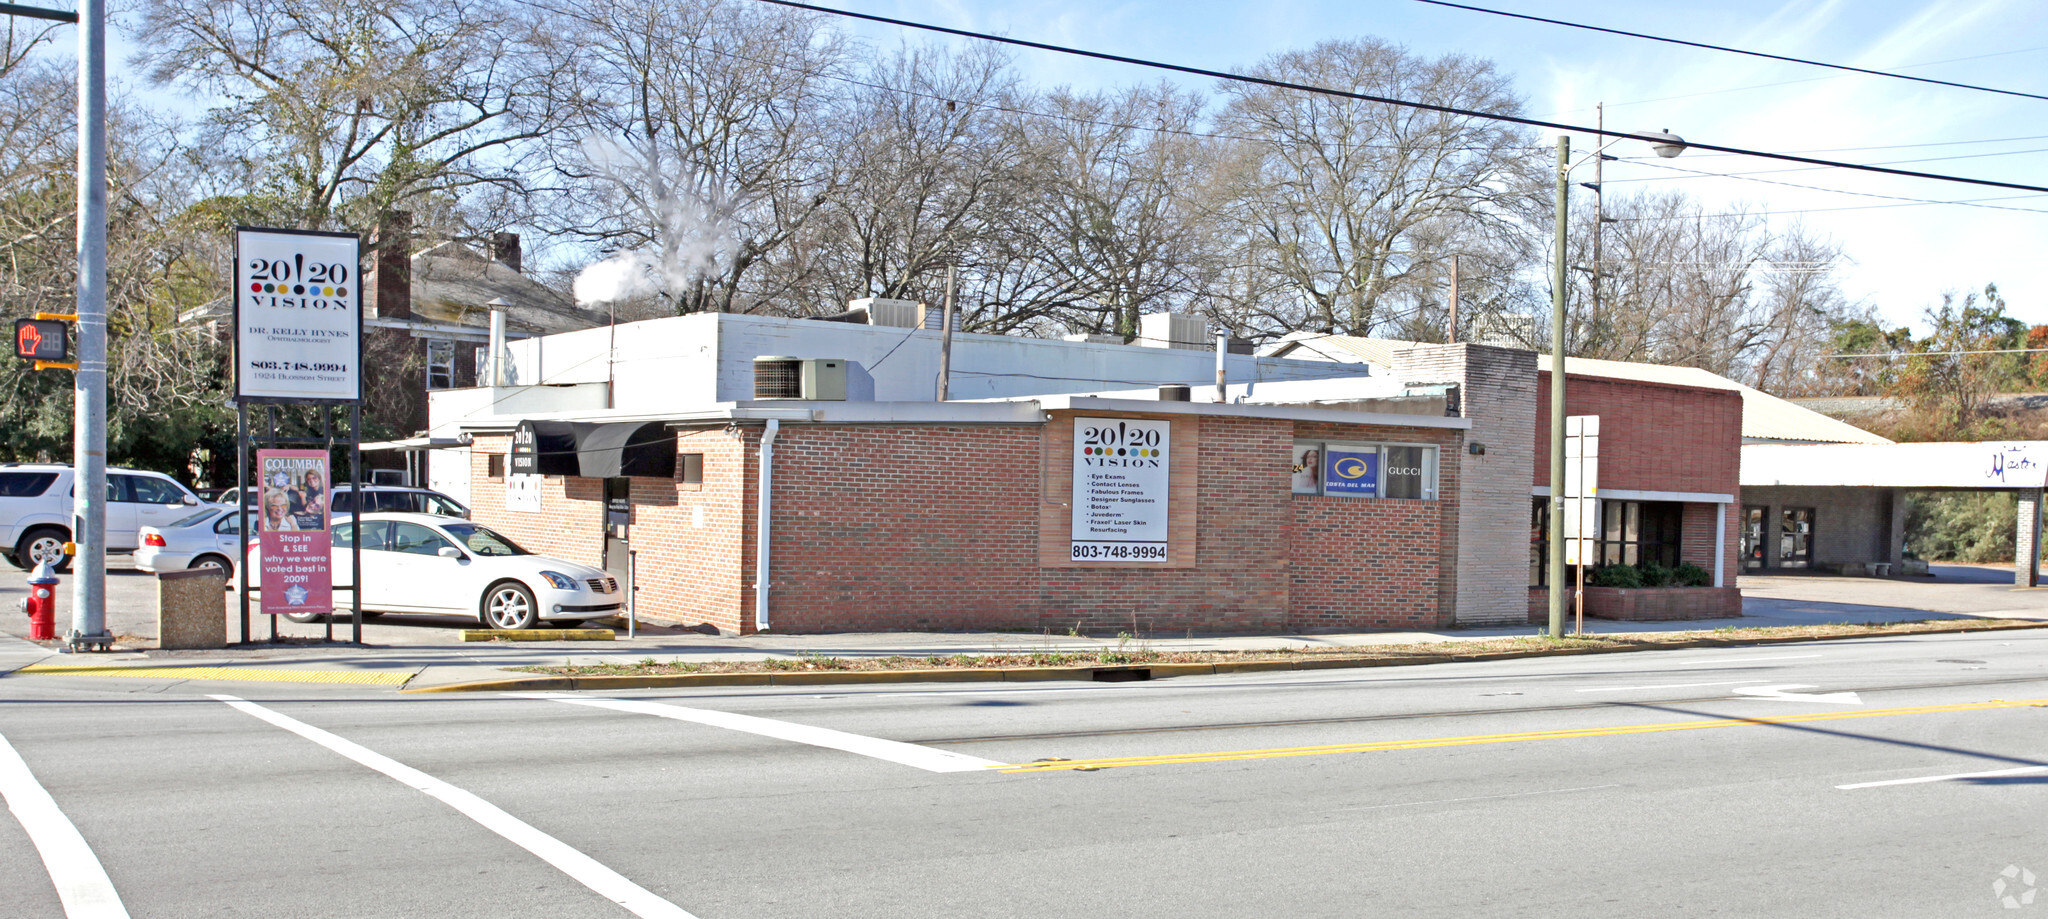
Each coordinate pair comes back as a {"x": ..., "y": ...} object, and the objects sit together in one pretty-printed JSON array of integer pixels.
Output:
[{"x": 762, "y": 528}]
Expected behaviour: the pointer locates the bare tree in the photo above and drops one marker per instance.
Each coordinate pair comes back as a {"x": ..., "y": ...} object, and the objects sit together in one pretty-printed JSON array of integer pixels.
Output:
[
  {"x": 1110, "y": 208},
  {"x": 337, "y": 112},
  {"x": 925, "y": 167},
  {"x": 699, "y": 144},
  {"x": 1330, "y": 193}
]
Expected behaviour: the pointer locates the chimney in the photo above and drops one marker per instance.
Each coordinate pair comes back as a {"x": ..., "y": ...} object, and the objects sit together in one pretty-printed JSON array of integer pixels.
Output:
[
  {"x": 505, "y": 250},
  {"x": 390, "y": 286}
]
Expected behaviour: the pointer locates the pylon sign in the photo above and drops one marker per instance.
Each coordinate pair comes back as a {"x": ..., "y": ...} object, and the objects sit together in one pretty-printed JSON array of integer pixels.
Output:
[
  {"x": 42, "y": 339},
  {"x": 298, "y": 316}
]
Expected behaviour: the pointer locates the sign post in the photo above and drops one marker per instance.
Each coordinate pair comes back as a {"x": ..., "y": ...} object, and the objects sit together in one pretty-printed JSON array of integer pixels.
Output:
[
  {"x": 1581, "y": 503},
  {"x": 298, "y": 341}
]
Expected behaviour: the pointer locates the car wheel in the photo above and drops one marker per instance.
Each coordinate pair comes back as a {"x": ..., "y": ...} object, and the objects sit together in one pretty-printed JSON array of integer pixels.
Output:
[
  {"x": 43, "y": 544},
  {"x": 304, "y": 617},
  {"x": 509, "y": 605},
  {"x": 214, "y": 562}
]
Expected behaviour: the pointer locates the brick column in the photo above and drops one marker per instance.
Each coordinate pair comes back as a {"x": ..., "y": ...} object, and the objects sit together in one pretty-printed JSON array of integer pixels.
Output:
[
  {"x": 2026, "y": 568},
  {"x": 1497, "y": 387}
]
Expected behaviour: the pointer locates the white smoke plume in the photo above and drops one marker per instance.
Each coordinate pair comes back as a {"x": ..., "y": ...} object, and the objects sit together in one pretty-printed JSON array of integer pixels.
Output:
[{"x": 687, "y": 221}]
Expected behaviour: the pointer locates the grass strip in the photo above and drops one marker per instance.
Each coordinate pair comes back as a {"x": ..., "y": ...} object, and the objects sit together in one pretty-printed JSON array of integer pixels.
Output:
[{"x": 1128, "y": 651}]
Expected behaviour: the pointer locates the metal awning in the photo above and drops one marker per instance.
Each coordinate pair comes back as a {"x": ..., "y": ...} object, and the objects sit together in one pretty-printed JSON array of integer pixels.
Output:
[
  {"x": 595, "y": 451},
  {"x": 1991, "y": 464}
]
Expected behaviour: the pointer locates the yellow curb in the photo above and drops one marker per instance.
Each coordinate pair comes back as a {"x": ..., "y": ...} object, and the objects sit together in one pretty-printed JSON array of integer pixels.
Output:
[
  {"x": 245, "y": 674},
  {"x": 537, "y": 635}
]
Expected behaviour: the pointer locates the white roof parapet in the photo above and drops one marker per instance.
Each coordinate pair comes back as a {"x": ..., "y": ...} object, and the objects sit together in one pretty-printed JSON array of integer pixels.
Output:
[
  {"x": 1991, "y": 464},
  {"x": 1249, "y": 410}
]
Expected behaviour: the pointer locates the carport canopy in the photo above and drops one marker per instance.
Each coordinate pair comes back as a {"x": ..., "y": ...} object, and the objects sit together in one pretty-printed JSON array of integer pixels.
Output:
[{"x": 2003, "y": 465}]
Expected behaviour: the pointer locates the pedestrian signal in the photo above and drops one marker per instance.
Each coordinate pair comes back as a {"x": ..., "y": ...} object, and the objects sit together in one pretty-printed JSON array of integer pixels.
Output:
[{"x": 47, "y": 340}]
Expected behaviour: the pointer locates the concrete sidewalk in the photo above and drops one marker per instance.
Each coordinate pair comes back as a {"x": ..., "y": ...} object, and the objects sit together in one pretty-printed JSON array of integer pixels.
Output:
[{"x": 426, "y": 651}]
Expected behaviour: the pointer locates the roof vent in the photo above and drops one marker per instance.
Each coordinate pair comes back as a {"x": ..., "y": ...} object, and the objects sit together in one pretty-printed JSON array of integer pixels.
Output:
[{"x": 1175, "y": 394}]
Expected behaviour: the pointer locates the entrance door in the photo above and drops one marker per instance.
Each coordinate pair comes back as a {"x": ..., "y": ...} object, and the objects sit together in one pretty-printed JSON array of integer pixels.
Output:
[
  {"x": 1753, "y": 536},
  {"x": 618, "y": 528},
  {"x": 1795, "y": 537}
]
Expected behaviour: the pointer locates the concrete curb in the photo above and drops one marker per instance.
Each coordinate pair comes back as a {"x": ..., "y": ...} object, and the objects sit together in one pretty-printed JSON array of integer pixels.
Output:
[
  {"x": 537, "y": 635},
  {"x": 1106, "y": 672}
]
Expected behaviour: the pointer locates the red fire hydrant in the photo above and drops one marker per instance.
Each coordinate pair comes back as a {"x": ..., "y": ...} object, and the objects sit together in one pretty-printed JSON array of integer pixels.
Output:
[{"x": 41, "y": 603}]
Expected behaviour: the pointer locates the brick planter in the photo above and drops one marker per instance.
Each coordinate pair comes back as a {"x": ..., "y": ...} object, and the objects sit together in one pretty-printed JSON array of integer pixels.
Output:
[{"x": 1646, "y": 604}]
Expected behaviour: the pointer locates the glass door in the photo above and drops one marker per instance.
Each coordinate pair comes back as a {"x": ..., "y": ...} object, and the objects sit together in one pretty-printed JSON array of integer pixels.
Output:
[
  {"x": 1795, "y": 537},
  {"x": 1753, "y": 536}
]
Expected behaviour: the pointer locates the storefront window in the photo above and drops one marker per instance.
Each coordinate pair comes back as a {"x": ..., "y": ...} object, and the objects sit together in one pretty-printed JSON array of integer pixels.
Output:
[
  {"x": 1640, "y": 532},
  {"x": 1364, "y": 470}
]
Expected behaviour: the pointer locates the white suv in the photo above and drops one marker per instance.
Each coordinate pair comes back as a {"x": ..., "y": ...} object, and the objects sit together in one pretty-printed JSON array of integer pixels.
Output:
[{"x": 35, "y": 510}]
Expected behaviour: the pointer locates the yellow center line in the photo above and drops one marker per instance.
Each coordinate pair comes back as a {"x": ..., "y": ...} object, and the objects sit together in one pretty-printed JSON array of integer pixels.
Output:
[
  {"x": 250, "y": 674},
  {"x": 1474, "y": 739}
]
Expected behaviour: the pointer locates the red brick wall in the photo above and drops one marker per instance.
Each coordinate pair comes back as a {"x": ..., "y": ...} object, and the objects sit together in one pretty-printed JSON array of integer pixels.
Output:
[
  {"x": 931, "y": 527},
  {"x": 570, "y": 524},
  {"x": 1653, "y": 437},
  {"x": 1363, "y": 563}
]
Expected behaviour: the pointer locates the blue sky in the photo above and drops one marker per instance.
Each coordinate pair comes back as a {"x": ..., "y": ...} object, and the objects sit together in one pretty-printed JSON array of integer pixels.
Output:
[{"x": 1905, "y": 256}]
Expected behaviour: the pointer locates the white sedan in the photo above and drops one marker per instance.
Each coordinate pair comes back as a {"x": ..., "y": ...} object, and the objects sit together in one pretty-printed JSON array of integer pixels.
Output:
[
  {"x": 205, "y": 538},
  {"x": 421, "y": 563}
]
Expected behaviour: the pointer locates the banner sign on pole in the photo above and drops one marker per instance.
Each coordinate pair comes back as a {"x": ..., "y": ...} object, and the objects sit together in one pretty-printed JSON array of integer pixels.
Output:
[
  {"x": 293, "y": 529},
  {"x": 298, "y": 316},
  {"x": 1581, "y": 489},
  {"x": 1121, "y": 480}
]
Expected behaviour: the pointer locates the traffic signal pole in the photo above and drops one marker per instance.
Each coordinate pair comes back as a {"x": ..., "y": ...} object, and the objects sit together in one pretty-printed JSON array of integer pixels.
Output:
[{"x": 89, "y": 382}]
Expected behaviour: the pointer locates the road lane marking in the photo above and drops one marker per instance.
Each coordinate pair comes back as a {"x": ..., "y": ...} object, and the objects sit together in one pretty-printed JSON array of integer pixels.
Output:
[
  {"x": 1519, "y": 794},
  {"x": 905, "y": 754},
  {"x": 1780, "y": 693},
  {"x": 578, "y": 866},
  {"x": 251, "y": 674},
  {"x": 82, "y": 884},
  {"x": 1668, "y": 686},
  {"x": 1742, "y": 660},
  {"x": 2023, "y": 770},
  {"x": 1476, "y": 739}
]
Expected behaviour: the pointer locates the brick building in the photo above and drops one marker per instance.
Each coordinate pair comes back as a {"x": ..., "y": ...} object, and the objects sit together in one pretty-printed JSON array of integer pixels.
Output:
[{"x": 1314, "y": 495}]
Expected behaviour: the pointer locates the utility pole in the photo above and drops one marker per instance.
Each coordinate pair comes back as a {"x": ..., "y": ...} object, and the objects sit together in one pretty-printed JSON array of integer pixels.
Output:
[
  {"x": 89, "y": 382},
  {"x": 946, "y": 340},
  {"x": 1599, "y": 213},
  {"x": 1451, "y": 336}
]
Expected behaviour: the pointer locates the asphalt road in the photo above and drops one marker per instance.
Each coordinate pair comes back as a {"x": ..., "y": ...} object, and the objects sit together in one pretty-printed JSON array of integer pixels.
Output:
[{"x": 1616, "y": 785}]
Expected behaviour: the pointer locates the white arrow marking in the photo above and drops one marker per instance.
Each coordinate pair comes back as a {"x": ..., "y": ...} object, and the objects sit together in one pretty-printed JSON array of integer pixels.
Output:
[{"x": 1779, "y": 693}]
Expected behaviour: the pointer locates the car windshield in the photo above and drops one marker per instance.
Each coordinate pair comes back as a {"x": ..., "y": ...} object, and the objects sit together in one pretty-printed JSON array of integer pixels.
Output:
[
  {"x": 482, "y": 541},
  {"x": 196, "y": 518}
]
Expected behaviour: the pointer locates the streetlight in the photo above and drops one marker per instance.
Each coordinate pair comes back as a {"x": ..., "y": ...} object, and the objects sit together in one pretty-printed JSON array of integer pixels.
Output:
[{"x": 1665, "y": 145}]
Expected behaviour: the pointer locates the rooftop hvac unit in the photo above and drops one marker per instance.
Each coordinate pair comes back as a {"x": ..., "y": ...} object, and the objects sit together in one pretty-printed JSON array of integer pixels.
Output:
[
  {"x": 1094, "y": 338},
  {"x": 817, "y": 379},
  {"x": 899, "y": 314},
  {"x": 1172, "y": 330}
]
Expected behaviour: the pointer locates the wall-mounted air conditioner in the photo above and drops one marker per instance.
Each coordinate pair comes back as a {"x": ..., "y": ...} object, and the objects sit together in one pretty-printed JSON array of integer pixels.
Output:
[{"x": 820, "y": 379}]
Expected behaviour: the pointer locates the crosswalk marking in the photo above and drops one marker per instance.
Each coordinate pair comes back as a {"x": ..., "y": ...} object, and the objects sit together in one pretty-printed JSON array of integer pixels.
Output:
[
  {"x": 582, "y": 868},
  {"x": 905, "y": 754},
  {"x": 82, "y": 884}
]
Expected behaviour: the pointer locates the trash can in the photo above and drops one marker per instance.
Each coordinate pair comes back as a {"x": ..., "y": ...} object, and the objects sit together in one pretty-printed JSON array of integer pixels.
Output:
[{"x": 191, "y": 609}]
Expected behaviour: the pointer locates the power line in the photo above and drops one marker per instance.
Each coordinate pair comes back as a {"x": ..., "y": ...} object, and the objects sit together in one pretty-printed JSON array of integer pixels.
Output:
[
  {"x": 1839, "y": 191},
  {"x": 1384, "y": 100},
  {"x": 1694, "y": 44},
  {"x": 1899, "y": 354}
]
